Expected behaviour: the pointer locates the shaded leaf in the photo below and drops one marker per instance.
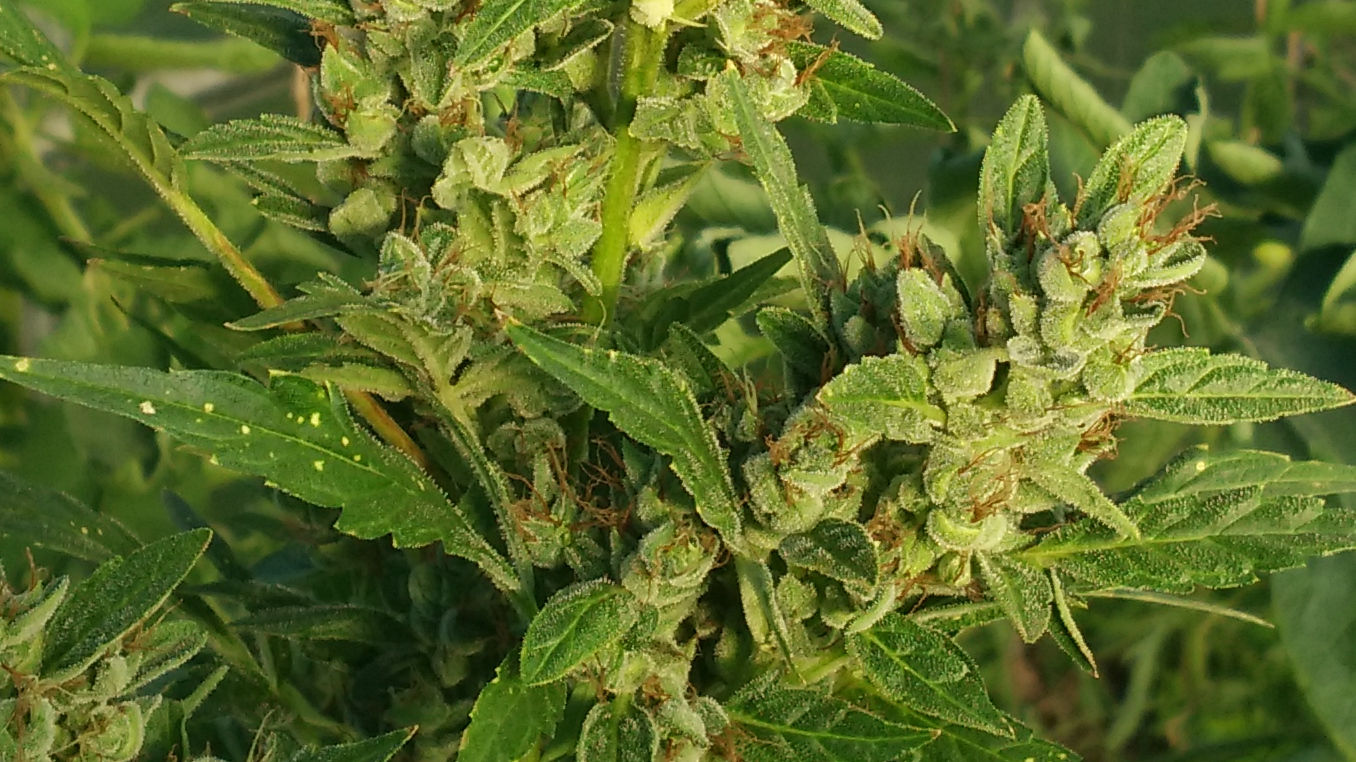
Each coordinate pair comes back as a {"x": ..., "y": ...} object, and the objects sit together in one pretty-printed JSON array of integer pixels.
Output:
[
  {"x": 44, "y": 518},
  {"x": 379, "y": 749},
  {"x": 294, "y": 433},
  {"x": 1069, "y": 93},
  {"x": 846, "y": 87},
  {"x": 782, "y": 723},
  {"x": 653, "y": 405},
  {"x": 111, "y": 601},
  {"x": 332, "y": 11},
  {"x": 1190, "y": 385},
  {"x": 926, "y": 672},
  {"x": 509, "y": 716},
  {"x": 312, "y": 621},
  {"x": 575, "y": 624},
  {"x": 279, "y": 29},
  {"x": 1316, "y": 611}
]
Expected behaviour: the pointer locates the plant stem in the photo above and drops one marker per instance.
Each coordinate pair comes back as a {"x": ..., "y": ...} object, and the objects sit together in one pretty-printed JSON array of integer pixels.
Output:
[
  {"x": 644, "y": 54},
  {"x": 386, "y": 427}
]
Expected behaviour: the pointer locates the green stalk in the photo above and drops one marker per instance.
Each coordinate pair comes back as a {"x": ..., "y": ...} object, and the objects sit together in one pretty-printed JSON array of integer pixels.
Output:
[
  {"x": 40, "y": 181},
  {"x": 644, "y": 54}
]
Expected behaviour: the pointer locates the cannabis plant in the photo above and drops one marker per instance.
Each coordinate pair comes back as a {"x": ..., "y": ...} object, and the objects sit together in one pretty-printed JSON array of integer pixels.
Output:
[{"x": 667, "y": 550}]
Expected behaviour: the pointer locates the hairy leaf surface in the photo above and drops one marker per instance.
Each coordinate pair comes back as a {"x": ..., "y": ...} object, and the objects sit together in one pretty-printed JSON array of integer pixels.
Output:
[
  {"x": 618, "y": 734},
  {"x": 784, "y": 723},
  {"x": 509, "y": 716},
  {"x": 1021, "y": 590},
  {"x": 269, "y": 137},
  {"x": 926, "y": 672},
  {"x": 839, "y": 549},
  {"x": 1136, "y": 167},
  {"x": 846, "y": 87},
  {"x": 652, "y": 404},
  {"x": 1209, "y": 520},
  {"x": 851, "y": 15},
  {"x": 1016, "y": 167},
  {"x": 277, "y": 28},
  {"x": 575, "y": 624},
  {"x": 791, "y": 201},
  {"x": 888, "y": 395},
  {"x": 1191, "y": 385},
  {"x": 296, "y": 434},
  {"x": 497, "y": 21},
  {"x": 120, "y": 593}
]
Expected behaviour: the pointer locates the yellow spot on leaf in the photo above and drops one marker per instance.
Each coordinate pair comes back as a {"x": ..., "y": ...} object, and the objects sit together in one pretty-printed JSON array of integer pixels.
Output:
[
  {"x": 22, "y": 365},
  {"x": 208, "y": 407},
  {"x": 319, "y": 465},
  {"x": 146, "y": 407},
  {"x": 315, "y": 419},
  {"x": 244, "y": 428},
  {"x": 343, "y": 441}
]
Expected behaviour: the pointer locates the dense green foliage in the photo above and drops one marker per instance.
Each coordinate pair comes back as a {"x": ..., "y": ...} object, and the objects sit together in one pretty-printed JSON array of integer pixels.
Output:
[{"x": 500, "y": 389}]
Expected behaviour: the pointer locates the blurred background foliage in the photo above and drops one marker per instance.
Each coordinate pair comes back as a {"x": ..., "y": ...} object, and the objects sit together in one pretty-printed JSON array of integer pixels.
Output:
[{"x": 93, "y": 268}]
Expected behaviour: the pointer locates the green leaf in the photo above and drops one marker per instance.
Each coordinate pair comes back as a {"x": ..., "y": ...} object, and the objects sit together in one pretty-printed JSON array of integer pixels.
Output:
[
  {"x": 1190, "y": 385},
  {"x": 1064, "y": 629},
  {"x": 781, "y": 723},
  {"x": 1330, "y": 221},
  {"x": 957, "y": 744},
  {"x": 1070, "y": 94},
  {"x": 1338, "y": 312},
  {"x": 1016, "y": 168},
  {"x": 1021, "y": 590},
  {"x": 321, "y": 302},
  {"x": 844, "y": 86},
  {"x": 656, "y": 208},
  {"x": 1209, "y": 520},
  {"x": 36, "y": 516},
  {"x": 110, "y": 602},
  {"x": 21, "y": 41},
  {"x": 139, "y": 137},
  {"x": 653, "y": 405},
  {"x": 791, "y": 201},
  {"x": 379, "y": 749},
  {"x": 704, "y": 307},
  {"x": 801, "y": 344},
  {"x": 1316, "y": 612},
  {"x": 282, "y": 31},
  {"x": 851, "y": 15},
  {"x": 1136, "y": 167},
  {"x": 838, "y": 549},
  {"x": 311, "y": 621},
  {"x": 510, "y": 716},
  {"x": 297, "y": 435},
  {"x": 1163, "y": 81},
  {"x": 618, "y": 732},
  {"x": 758, "y": 596},
  {"x": 926, "y": 672},
  {"x": 496, "y": 22},
  {"x": 575, "y": 624},
  {"x": 1081, "y": 492},
  {"x": 885, "y": 395},
  {"x": 269, "y": 137},
  {"x": 332, "y": 11}
]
